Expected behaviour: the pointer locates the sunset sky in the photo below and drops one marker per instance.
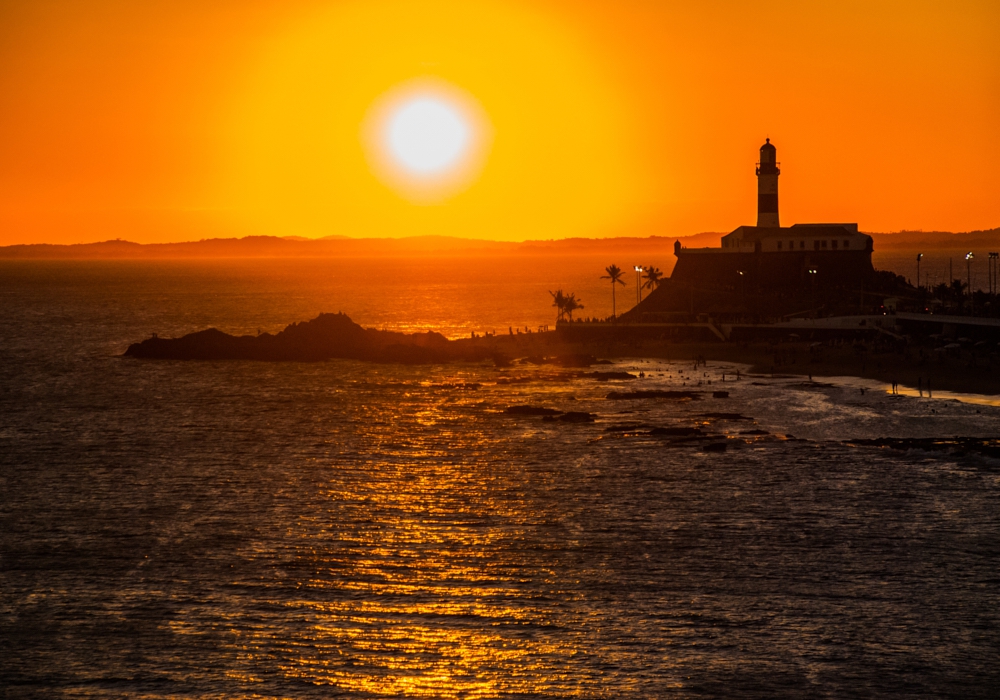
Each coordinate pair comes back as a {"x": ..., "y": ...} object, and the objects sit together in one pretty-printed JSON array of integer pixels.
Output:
[{"x": 178, "y": 120}]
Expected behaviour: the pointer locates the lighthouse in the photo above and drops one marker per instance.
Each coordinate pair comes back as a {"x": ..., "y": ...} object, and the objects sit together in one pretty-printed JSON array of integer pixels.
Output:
[{"x": 767, "y": 187}]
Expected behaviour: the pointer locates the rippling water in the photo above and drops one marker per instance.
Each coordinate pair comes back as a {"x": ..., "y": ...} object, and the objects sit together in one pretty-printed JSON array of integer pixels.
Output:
[{"x": 343, "y": 529}]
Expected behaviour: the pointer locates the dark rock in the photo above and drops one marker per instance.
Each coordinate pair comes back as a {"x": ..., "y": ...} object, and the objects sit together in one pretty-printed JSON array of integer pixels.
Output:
[
  {"x": 715, "y": 447},
  {"x": 575, "y": 360},
  {"x": 629, "y": 428},
  {"x": 531, "y": 411},
  {"x": 720, "y": 394},
  {"x": 574, "y": 417},
  {"x": 676, "y": 432},
  {"x": 654, "y": 394},
  {"x": 988, "y": 447},
  {"x": 328, "y": 336},
  {"x": 606, "y": 376},
  {"x": 502, "y": 361},
  {"x": 754, "y": 432}
]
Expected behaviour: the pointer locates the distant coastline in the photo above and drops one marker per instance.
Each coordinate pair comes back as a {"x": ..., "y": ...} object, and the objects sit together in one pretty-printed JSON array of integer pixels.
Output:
[
  {"x": 441, "y": 246},
  {"x": 335, "y": 336}
]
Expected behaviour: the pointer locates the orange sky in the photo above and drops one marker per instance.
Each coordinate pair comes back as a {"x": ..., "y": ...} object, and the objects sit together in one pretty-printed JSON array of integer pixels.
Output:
[{"x": 169, "y": 120}]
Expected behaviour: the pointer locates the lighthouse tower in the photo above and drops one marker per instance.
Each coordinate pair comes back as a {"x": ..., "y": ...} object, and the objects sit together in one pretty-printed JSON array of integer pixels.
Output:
[{"x": 767, "y": 187}]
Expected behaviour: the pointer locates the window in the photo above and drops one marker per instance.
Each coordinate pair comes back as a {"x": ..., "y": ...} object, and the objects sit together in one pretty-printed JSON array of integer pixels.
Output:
[
  {"x": 815, "y": 245},
  {"x": 834, "y": 245},
  {"x": 802, "y": 245},
  {"x": 779, "y": 245},
  {"x": 847, "y": 244},
  {"x": 824, "y": 244}
]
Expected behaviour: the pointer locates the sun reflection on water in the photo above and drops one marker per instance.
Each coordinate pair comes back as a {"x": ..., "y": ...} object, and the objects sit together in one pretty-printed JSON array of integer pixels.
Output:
[
  {"x": 408, "y": 578},
  {"x": 420, "y": 542}
]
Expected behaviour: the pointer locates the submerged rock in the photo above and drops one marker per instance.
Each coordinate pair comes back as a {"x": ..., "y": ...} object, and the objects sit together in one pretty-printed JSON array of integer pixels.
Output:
[
  {"x": 725, "y": 416},
  {"x": 573, "y": 417},
  {"x": 606, "y": 376},
  {"x": 575, "y": 360},
  {"x": 654, "y": 394},
  {"x": 676, "y": 432},
  {"x": 988, "y": 447},
  {"x": 531, "y": 411},
  {"x": 629, "y": 428}
]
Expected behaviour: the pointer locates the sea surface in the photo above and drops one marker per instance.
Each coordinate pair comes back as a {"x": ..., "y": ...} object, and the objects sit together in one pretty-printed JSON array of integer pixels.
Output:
[{"x": 343, "y": 529}]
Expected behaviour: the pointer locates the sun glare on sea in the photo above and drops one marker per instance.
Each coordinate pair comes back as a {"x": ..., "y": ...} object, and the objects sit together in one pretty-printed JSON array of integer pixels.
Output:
[{"x": 427, "y": 140}]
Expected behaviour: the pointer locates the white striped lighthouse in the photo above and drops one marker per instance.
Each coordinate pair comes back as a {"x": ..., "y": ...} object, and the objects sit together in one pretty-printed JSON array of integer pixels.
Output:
[{"x": 767, "y": 187}]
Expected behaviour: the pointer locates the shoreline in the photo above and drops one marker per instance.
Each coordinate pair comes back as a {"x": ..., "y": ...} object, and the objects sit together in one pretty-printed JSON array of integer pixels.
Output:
[
  {"x": 974, "y": 375},
  {"x": 329, "y": 336}
]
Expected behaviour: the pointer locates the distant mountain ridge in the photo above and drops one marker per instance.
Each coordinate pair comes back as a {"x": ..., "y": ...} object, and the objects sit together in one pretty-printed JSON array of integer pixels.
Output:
[
  {"x": 437, "y": 246},
  {"x": 938, "y": 240},
  {"x": 295, "y": 247}
]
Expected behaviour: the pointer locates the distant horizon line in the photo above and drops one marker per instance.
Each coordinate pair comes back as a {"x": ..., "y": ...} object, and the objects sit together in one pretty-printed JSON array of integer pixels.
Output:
[{"x": 333, "y": 238}]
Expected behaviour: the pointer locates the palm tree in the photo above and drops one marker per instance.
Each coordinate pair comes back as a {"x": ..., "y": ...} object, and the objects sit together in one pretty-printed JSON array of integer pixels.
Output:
[
  {"x": 652, "y": 278},
  {"x": 615, "y": 275},
  {"x": 559, "y": 301},
  {"x": 572, "y": 304}
]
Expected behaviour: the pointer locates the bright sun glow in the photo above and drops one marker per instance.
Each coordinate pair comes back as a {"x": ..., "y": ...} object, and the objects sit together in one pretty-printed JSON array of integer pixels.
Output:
[
  {"x": 427, "y": 140},
  {"x": 427, "y": 135}
]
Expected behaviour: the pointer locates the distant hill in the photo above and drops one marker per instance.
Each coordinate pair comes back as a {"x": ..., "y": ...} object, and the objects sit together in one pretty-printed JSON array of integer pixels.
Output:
[
  {"x": 438, "y": 246},
  {"x": 938, "y": 240},
  {"x": 341, "y": 246}
]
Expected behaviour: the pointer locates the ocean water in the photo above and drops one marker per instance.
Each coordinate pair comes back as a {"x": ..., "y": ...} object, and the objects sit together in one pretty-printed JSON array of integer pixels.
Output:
[{"x": 341, "y": 529}]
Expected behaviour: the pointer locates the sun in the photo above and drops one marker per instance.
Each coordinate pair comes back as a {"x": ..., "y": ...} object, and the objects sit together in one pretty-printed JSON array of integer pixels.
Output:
[
  {"x": 427, "y": 140},
  {"x": 427, "y": 135}
]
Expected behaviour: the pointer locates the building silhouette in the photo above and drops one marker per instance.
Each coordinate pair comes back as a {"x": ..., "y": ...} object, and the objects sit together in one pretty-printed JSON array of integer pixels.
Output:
[{"x": 771, "y": 257}]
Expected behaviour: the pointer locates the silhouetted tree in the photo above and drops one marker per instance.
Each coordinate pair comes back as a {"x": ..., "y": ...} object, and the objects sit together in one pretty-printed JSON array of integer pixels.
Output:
[
  {"x": 950, "y": 293},
  {"x": 559, "y": 301},
  {"x": 652, "y": 278},
  {"x": 571, "y": 304},
  {"x": 615, "y": 275}
]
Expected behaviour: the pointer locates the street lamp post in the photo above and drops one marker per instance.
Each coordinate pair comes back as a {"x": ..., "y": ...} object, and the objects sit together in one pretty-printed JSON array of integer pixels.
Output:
[
  {"x": 968, "y": 270},
  {"x": 989, "y": 274},
  {"x": 638, "y": 285},
  {"x": 743, "y": 296},
  {"x": 919, "y": 255},
  {"x": 993, "y": 269},
  {"x": 812, "y": 277}
]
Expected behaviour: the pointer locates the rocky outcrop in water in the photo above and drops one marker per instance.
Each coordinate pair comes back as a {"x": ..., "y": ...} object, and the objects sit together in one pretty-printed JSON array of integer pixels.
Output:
[
  {"x": 328, "y": 336},
  {"x": 654, "y": 394},
  {"x": 986, "y": 446}
]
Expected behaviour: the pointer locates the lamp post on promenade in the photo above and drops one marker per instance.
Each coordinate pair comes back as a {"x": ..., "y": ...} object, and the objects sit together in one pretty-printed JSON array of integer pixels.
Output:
[
  {"x": 968, "y": 270},
  {"x": 919, "y": 256},
  {"x": 638, "y": 285},
  {"x": 992, "y": 261},
  {"x": 812, "y": 277},
  {"x": 743, "y": 296}
]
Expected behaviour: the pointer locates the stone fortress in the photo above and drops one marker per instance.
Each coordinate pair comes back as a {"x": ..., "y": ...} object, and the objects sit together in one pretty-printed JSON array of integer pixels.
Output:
[{"x": 771, "y": 257}]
